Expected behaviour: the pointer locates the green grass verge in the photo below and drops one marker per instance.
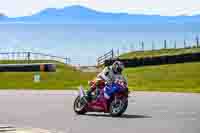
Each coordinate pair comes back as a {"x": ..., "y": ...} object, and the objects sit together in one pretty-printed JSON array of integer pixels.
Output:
[
  {"x": 64, "y": 78},
  {"x": 162, "y": 52},
  {"x": 167, "y": 78}
]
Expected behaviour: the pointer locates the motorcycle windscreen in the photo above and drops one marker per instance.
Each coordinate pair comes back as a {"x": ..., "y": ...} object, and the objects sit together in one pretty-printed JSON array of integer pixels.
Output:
[{"x": 81, "y": 92}]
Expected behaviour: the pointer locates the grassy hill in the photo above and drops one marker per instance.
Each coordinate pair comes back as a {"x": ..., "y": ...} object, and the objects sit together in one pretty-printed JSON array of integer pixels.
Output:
[
  {"x": 162, "y": 52},
  {"x": 65, "y": 77},
  {"x": 175, "y": 78}
]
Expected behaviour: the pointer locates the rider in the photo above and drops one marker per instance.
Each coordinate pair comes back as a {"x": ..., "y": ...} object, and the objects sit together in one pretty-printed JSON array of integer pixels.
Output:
[{"x": 108, "y": 75}]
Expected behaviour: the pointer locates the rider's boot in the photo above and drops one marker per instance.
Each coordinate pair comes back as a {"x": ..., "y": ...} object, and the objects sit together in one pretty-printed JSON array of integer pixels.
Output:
[{"x": 89, "y": 95}]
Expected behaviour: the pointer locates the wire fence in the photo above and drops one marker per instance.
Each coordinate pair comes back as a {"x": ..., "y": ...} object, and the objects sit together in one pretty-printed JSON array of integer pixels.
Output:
[
  {"x": 141, "y": 47},
  {"x": 157, "y": 45}
]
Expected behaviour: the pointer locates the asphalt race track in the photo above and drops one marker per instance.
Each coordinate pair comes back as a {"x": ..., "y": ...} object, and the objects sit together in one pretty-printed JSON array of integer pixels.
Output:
[{"x": 148, "y": 112}]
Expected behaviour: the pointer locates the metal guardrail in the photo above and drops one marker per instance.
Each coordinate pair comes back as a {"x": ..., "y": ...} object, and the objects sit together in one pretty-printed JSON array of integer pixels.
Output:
[
  {"x": 107, "y": 56},
  {"x": 28, "y": 56}
]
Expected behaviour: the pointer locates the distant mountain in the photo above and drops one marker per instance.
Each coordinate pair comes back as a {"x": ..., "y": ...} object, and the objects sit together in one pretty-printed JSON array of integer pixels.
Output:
[
  {"x": 83, "y": 15},
  {"x": 2, "y": 16}
]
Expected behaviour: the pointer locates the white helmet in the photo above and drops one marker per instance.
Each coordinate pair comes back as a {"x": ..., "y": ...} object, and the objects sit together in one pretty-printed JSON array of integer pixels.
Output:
[{"x": 117, "y": 67}]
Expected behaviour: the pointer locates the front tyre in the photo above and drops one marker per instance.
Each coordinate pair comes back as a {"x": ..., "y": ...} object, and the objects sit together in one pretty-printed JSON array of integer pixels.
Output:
[
  {"x": 80, "y": 106},
  {"x": 118, "y": 107}
]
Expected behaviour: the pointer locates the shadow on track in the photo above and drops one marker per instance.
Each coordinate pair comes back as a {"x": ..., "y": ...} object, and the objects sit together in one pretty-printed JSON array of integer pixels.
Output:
[{"x": 125, "y": 116}]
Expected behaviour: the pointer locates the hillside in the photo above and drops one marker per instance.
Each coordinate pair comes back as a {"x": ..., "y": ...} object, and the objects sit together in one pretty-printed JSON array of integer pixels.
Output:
[
  {"x": 170, "y": 78},
  {"x": 64, "y": 78},
  {"x": 162, "y": 52}
]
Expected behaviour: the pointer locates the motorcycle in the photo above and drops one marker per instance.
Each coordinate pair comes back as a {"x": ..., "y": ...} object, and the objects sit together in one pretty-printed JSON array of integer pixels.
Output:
[{"x": 116, "y": 105}]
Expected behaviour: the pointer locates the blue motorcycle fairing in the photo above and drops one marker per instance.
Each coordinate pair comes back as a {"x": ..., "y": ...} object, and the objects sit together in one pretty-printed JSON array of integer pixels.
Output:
[{"x": 111, "y": 89}]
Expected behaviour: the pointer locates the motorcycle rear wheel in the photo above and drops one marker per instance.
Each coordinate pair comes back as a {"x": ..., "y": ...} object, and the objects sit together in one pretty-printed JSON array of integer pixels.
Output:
[{"x": 80, "y": 106}]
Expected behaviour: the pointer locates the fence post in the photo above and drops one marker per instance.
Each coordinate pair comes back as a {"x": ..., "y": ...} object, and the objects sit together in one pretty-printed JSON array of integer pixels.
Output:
[
  {"x": 118, "y": 52},
  {"x": 175, "y": 44},
  {"x": 197, "y": 41},
  {"x": 142, "y": 45},
  {"x": 184, "y": 43},
  {"x": 112, "y": 53},
  {"x": 28, "y": 57},
  {"x": 165, "y": 44},
  {"x": 67, "y": 60}
]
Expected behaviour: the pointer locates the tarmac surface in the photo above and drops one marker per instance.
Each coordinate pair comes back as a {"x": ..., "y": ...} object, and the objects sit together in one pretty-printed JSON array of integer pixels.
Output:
[{"x": 148, "y": 112}]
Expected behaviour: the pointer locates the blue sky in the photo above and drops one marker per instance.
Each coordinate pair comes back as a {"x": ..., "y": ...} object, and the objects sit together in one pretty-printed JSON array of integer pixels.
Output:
[{"x": 15, "y": 8}]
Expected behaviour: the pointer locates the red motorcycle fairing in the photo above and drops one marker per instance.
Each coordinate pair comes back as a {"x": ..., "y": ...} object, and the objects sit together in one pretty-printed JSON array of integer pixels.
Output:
[
  {"x": 97, "y": 107},
  {"x": 99, "y": 104}
]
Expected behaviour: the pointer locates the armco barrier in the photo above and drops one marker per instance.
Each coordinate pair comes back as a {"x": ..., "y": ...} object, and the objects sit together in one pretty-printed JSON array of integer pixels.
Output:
[
  {"x": 44, "y": 67},
  {"x": 160, "y": 60}
]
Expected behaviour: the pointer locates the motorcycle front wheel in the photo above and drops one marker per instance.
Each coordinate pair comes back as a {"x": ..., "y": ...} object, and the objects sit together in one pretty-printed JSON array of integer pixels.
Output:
[
  {"x": 118, "y": 107},
  {"x": 80, "y": 106}
]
